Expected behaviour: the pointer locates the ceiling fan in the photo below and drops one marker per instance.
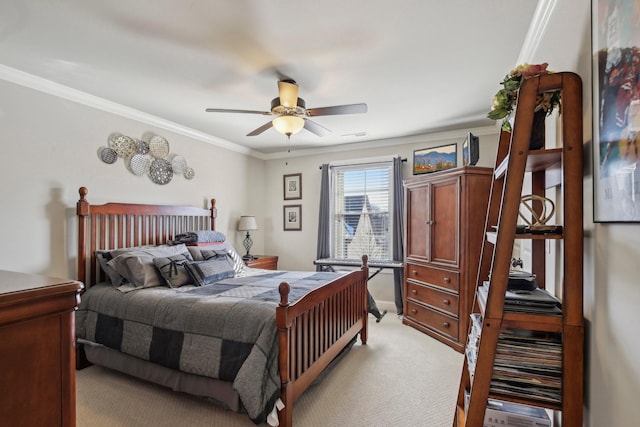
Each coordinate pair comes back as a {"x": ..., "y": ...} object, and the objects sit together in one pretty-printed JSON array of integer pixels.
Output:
[{"x": 291, "y": 112}]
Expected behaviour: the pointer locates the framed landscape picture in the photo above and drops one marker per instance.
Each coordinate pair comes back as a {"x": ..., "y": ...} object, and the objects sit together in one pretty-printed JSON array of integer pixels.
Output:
[
  {"x": 292, "y": 218},
  {"x": 435, "y": 158},
  {"x": 616, "y": 111}
]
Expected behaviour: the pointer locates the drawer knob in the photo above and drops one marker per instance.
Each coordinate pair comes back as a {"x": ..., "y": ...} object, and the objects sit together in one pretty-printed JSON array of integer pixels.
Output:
[
  {"x": 414, "y": 311},
  {"x": 445, "y": 324},
  {"x": 447, "y": 280},
  {"x": 414, "y": 272},
  {"x": 413, "y": 291},
  {"x": 446, "y": 301}
]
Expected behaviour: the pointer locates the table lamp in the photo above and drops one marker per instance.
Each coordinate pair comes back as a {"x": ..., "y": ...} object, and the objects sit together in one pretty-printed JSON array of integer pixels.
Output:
[{"x": 247, "y": 223}]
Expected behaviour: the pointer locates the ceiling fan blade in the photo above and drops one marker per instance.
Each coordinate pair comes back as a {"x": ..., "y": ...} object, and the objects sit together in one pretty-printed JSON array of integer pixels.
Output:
[
  {"x": 288, "y": 92},
  {"x": 261, "y": 129},
  {"x": 315, "y": 128},
  {"x": 338, "y": 109},
  {"x": 225, "y": 110}
]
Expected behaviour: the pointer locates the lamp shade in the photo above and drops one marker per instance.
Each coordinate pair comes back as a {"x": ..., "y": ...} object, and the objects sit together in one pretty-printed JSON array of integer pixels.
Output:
[
  {"x": 288, "y": 125},
  {"x": 247, "y": 223}
]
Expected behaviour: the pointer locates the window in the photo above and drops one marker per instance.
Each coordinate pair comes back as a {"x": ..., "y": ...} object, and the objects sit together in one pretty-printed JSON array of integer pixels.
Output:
[{"x": 361, "y": 211}]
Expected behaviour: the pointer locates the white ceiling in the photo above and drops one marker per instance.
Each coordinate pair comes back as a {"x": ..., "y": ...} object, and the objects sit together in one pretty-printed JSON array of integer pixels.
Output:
[{"x": 421, "y": 66}]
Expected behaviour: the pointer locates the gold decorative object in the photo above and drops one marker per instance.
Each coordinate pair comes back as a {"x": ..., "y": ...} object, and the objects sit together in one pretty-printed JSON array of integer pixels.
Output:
[{"x": 536, "y": 220}]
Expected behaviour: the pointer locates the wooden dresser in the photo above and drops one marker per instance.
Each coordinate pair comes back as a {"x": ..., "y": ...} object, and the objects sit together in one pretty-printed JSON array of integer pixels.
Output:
[
  {"x": 37, "y": 357},
  {"x": 268, "y": 262},
  {"x": 445, "y": 216}
]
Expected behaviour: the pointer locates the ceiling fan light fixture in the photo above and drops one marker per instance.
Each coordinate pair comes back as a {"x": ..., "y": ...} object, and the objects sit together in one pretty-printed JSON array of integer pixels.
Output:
[
  {"x": 288, "y": 125},
  {"x": 288, "y": 93}
]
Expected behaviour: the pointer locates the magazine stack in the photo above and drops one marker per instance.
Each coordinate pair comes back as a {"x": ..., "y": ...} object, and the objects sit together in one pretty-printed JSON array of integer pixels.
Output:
[{"x": 528, "y": 364}]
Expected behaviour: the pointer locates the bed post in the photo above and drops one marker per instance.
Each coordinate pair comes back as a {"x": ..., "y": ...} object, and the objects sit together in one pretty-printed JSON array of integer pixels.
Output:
[
  {"x": 82, "y": 210},
  {"x": 286, "y": 388},
  {"x": 365, "y": 319}
]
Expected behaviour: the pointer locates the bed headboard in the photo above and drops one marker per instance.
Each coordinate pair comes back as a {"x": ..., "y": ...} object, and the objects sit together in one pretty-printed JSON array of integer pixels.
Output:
[{"x": 121, "y": 225}]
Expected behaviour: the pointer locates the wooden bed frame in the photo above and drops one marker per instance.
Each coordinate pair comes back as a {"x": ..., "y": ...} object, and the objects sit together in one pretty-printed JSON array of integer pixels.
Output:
[{"x": 312, "y": 331}]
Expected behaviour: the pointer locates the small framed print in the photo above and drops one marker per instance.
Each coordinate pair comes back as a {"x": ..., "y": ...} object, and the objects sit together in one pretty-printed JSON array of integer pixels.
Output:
[
  {"x": 292, "y": 186},
  {"x": 292, "y": 218}
]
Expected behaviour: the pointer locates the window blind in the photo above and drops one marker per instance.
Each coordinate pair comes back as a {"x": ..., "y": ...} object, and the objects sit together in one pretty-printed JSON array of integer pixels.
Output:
[{"x": 361, "y": 210}]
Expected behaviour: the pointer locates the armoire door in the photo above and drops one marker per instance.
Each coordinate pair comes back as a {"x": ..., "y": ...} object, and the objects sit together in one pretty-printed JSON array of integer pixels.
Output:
[
  {"x": 417, "y": 217},
  {"x": 443, "y": 222}
]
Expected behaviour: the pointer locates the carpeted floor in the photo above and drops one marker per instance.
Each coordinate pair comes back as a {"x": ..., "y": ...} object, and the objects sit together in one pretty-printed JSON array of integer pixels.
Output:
[{"x": 400, "y": 378}]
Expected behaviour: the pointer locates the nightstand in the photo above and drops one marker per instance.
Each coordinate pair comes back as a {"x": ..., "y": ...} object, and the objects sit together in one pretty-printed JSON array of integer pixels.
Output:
[{"x": 268, "y": 262}]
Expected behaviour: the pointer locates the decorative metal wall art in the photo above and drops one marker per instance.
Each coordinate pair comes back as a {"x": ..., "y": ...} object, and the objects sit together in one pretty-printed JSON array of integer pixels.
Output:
[{"x": 149, "y": 156}]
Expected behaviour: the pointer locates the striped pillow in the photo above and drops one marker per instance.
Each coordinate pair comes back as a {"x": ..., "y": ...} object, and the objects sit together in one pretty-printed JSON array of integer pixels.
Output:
[{"x": 211, "y": 270}]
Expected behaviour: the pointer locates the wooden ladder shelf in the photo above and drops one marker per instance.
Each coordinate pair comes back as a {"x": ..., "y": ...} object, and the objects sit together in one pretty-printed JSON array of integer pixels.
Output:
[{"x": 559, "y": 168}]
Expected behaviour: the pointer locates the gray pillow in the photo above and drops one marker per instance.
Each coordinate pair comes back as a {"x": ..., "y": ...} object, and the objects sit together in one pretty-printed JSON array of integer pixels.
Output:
[
  {"x": 137, "y": 265},
  {"x": 238, "y": 264},
  {"x": 104, "y": 256},
  {"x": 172, "y": 269},
  {"x": 114, "y": 277},
  {"x": 210, "y": 271}
]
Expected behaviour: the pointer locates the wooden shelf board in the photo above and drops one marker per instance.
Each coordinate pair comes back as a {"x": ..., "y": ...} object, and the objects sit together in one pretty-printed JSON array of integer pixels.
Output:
[
  {"x": 537, "y": 160},
  {"x": 523, "y": 401},
  {"x": 492, "y": 236}
]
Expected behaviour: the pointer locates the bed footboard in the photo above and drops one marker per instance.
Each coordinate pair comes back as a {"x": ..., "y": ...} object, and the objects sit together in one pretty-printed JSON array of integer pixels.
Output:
[{"x": 314, "y": 330}]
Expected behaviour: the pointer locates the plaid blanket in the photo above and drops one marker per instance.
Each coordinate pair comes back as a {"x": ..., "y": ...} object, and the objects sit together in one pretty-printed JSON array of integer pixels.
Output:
[{"x": 226, "y": 330}]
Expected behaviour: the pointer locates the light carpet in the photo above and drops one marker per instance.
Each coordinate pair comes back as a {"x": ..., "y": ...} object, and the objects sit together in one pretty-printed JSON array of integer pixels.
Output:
[{"x": 402, "y": 377}]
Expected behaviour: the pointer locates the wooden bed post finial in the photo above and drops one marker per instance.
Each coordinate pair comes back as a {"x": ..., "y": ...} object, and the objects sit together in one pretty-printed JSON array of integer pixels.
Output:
[
  {"x": 284, "y": 289},
  {"x": 365, "y": 261}
]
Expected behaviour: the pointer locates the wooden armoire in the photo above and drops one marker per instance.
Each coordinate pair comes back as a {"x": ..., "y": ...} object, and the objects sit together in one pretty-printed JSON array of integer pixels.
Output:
[{"x": 445, "y": 215}]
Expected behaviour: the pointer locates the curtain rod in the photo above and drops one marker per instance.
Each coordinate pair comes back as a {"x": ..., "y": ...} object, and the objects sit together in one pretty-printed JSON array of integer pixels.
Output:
[{"x": 367, "y": 163}]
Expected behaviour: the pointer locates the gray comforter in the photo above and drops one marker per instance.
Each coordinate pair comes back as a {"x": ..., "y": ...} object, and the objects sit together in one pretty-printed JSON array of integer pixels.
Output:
[{"x": 226, "y": 330}]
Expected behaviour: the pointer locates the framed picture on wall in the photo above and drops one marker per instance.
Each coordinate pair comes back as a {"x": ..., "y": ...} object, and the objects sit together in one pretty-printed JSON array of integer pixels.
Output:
[
  {"x": 292, "y": 218},
  {"x": 292, "y": 186},
  {"x": 616, "y": 111},
  {"x": 434, "y": 159}
]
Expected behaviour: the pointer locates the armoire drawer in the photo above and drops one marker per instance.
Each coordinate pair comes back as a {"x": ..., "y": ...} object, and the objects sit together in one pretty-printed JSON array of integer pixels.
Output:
[
  {"x": 433, "y": 297},
  {"x": 433, "y": 319},
  {"x": 434, "y": 276}
]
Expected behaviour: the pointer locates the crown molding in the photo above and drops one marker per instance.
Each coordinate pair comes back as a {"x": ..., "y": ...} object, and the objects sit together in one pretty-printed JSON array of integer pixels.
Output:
[{"x": 46, "y": 86}]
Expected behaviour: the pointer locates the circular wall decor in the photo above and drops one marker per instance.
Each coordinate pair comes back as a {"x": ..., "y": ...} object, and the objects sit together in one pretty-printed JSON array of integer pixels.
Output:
[
  {"x": 189, "y": 173},
  {"x": 139, "y": 164},
  {"x": 160, "y": 171},
  {"x": 178, "y": 163},
  {"x": 142, "y": 147},
  {"x": 108, "y": 155},
  {"x": 124, "y": 146},
  {"x": 158, "y": 147}
]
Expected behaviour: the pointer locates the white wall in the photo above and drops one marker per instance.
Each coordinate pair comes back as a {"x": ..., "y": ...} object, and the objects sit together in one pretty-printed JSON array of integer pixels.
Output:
[
  {"x": 49, "y": 149},
  {"x": 297, "y": 249}
]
